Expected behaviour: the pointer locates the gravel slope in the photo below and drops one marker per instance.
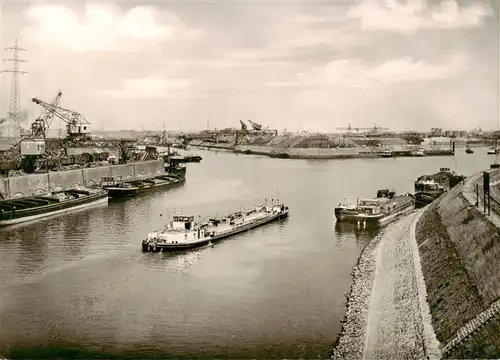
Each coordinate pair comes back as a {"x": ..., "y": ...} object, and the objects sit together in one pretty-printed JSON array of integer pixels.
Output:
[{"x": 387, "y": 307}]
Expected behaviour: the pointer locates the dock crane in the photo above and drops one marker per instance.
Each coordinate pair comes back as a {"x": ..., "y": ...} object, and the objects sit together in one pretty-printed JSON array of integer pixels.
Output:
[
  {"x": 42, "y": 123},
  {"x": 33, "y": 147},
  {"x": 255, "y": 126},
  {"x": 373, "y": 130},
  {"x": 77, "y": 127},
  {"x": 243, "y": 126}
]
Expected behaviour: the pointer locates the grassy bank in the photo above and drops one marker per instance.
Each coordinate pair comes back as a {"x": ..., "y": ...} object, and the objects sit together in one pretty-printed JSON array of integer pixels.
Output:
[{"x": 454, "y": 296}]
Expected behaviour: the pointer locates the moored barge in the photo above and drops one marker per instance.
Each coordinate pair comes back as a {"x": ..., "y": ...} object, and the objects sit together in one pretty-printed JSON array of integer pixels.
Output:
[
  {"x": 174, "y": 165},
  {"x": 429, "y": 187},
  {"x": 17, "y": 210},
  {"x": 379, "y": 211},
  {"x": 118, "y": 188},
  {"x": 426, "y": 191},
  {"x": 184, "y": 233}
]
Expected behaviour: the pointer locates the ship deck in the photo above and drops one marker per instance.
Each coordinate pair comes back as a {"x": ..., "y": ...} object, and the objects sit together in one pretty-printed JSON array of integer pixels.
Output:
[
  {"x": 225, "y": 227},
  {"x": 31, "y": 202}
]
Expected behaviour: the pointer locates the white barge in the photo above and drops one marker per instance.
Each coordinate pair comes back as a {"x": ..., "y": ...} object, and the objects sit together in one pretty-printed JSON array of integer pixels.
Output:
[{"x": 184, "y": 233}]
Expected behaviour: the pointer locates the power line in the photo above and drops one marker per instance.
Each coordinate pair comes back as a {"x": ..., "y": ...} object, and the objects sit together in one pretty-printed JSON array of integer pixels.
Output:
[{"x": 13, "y": 118}]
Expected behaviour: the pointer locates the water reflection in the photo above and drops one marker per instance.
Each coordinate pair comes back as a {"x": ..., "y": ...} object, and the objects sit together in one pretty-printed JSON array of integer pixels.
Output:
[
  {"x": 75, "y": 228},
  {"x": 173, "y": 262},
  {"x": 32, "y": 247},
  {"x": 120, "y": 215},
  {"x": 349, "y": 231}
]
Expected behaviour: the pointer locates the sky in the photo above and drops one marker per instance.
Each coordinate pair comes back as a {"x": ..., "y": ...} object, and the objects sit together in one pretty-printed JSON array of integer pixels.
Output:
[{"x": 295, "y": 65}]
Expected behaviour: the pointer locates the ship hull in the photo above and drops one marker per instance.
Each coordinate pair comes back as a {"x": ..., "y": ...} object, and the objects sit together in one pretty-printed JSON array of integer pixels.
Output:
[
  {"x": 120, "y": 193},
  {"x": 45, "y": 211},
  {"x": 191, "y": 159},
  {"x": 424, "y": 198},
  {"x": 213, "y": 239},
  {"x": 176, "y": 170},
  {"x": 404, "y": 206}
]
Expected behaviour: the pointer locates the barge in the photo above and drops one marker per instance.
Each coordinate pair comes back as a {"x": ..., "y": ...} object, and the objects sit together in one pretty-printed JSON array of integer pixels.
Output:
[
  {"x": 387, "y": 153},
  {"x": 385, "y": 208},
  {"x": 174, "y": 164},
  {"x": 426, "y": 191},
  {"x": 429, "y": 187},
  {"x": 17, "y": 210},
  {"x": 183, "y": 233},
  {"x": 118, "y": 188}
]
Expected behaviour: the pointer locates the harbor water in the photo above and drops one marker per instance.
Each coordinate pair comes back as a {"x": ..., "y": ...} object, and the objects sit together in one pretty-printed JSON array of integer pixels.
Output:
[{"x": 78, "y": 285}]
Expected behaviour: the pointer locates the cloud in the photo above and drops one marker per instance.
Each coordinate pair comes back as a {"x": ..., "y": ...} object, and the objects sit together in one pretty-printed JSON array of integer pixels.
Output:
[
  {"x": 103, "y": 27},
  {"x": 413, "y": 15},
  {"x": 355, "y": 73},
  {"x": 315, "y": 60},
  {"x": 154, "y": 86}
]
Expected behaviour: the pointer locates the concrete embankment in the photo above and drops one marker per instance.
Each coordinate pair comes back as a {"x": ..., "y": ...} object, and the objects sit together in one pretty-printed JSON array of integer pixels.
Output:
[
  {"x": 387, "y": 314},
  {"x": 459, "y": 249},
  {"x": 324, "y": 153},
  {"x": 39, "y": 183}
]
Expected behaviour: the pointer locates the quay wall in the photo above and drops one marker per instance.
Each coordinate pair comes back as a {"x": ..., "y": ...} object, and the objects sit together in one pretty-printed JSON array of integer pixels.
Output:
[
  {"x": 459, "y": 249},
  {"x": 323, "y": 153},
  {"x": 305, "y": 153},
  {"x": 32, "y": 184}
]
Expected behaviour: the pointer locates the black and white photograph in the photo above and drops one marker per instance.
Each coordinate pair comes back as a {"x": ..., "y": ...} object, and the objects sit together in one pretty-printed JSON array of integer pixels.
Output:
[{"x": 249, "y": 179}]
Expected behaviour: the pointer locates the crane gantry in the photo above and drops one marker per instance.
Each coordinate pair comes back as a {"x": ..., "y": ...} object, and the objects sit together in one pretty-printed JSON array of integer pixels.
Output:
[
  {"x": 77, "y": 126},
  {"x": 42, "y": 123}
]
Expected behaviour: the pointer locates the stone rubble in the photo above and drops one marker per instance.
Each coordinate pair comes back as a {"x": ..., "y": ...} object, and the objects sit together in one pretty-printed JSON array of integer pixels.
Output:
[{"x": 384, "y": 318}]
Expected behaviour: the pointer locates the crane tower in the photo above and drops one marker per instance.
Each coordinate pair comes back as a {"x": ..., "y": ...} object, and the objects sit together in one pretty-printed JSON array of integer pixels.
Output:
[{"x": 14, "y": 126}]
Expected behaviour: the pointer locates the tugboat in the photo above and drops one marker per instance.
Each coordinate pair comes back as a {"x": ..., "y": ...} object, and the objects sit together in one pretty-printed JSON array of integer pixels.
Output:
[
  {"x": 118, "y": 188},
  {"x": 492, "y": 151},
  {"x": 418, "y": 153},
  {"x": 184, "y": 233},
  {"x": 387, "y": 153},
  {"x": 17, "y": 210},
  {"x": 468, "y": 150},
  {"x": 376, "y": 212}
]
